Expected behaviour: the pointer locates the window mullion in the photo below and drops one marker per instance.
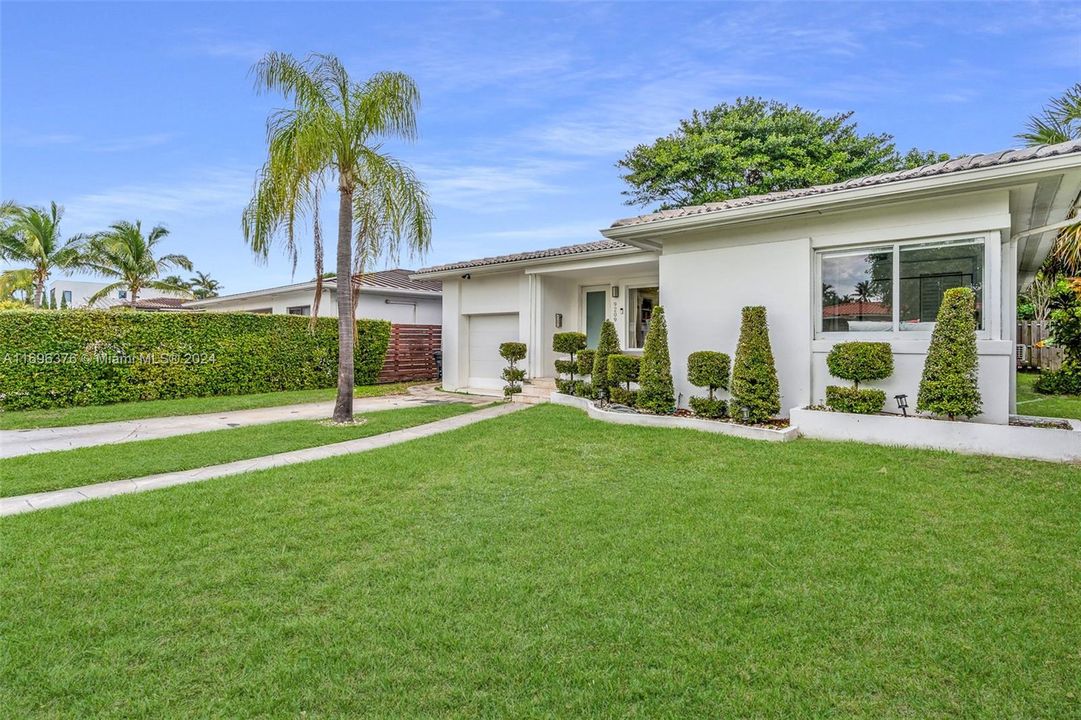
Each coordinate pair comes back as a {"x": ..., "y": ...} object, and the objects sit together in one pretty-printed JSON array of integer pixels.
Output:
[{"x": 895, "y": 290}]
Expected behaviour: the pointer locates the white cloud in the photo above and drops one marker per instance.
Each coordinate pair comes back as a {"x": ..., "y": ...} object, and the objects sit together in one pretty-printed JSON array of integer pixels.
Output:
[{"x": 486, "y": 188}]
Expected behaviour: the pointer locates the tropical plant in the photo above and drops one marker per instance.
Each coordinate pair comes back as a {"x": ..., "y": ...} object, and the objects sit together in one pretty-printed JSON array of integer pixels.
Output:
[
  {"x": 755, "y": 146},
  {"x": 123, "y": 252},
  {"x": 334, "y": 133},
  {"x": 31, "y": 236},
  {"x": 608, "y": 344},
  {"x": 512, "y": 352},
  {"x": 948, "y": 386},
  {"x": 203, "y": 286},
  {"x": 708, "y": 369},
  {"x": 756, "y": 393},
  {"x": 17, "y": 281},
  {"x": 1059, "y": 122},
  {"x": 655, "y": 389}
]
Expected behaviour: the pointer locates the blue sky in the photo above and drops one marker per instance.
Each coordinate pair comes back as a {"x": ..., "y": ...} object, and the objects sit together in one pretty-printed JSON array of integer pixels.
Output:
[{"x": 146, "y": 110}]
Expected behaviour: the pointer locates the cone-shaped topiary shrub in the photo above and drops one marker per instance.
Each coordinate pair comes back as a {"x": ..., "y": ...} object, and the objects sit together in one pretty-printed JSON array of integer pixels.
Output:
[
  {"x": 948, "y": 386},
  {"x": 512, "y": 352},
  {"x": 622, "y": 371},
  {"x": 570, "y": 343},
  {"x": 655, "y": 391},
  {"x": 858, "y": 362},
  {"x": 754, "y": 377},
  {"x": 708, "y": 369},
  {"x": 607, "y": 345}
]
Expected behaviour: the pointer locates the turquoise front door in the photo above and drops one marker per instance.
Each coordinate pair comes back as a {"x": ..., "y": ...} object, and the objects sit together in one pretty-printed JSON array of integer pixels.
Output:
[{"x": 595, "y": 302}]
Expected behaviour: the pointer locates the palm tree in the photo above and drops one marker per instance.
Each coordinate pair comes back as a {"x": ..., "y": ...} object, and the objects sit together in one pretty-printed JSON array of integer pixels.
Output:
[
  {"x": 124, "y": 253},
  {"x": 1059, "y": 122},
  {"x": 32, "y": 236},
  {"x": 334, "y": 133},
  {"x": 177, "y": 280},
  {"x": 203, "y": 286}
]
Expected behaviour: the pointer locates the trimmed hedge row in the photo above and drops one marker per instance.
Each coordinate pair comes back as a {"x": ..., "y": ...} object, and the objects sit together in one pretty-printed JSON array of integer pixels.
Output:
[{"x": 94, "y": 357}]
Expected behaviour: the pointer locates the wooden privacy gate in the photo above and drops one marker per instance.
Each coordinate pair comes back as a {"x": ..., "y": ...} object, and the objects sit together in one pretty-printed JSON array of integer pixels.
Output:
[
  {"x": 411, "y": 353},
  {"x": 1030, "y": 356}
]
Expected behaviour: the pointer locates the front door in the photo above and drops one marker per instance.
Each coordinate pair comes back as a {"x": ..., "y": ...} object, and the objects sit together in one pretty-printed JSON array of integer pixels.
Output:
[{"x": 595, "y": 308}]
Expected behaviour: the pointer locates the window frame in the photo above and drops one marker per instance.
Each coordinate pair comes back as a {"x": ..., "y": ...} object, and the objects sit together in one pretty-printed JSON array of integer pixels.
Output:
[{"x": 895, "y": 334}]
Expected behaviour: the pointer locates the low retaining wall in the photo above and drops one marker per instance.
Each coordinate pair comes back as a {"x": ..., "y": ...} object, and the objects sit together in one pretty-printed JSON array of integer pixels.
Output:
[
  {"x": 1030, "y": 443},
  {"x": 671, "y": 421}
]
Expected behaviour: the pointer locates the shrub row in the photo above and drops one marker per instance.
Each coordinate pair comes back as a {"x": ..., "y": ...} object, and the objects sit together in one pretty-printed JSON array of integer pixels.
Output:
[{"x": 93, "y": 357}]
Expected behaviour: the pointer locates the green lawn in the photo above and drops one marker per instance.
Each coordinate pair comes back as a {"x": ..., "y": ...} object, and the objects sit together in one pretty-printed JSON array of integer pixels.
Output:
[
  {"x": 84, "y": 466},
  {"x": 62, "y": 417},
  {"x": 545, "y": 565},
  {"x": 1030, "y": 402}
]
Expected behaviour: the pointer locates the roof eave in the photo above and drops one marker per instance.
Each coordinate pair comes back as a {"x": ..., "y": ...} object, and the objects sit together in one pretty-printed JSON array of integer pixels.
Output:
[
  {"x": 515, "y": 264},
  {"x": 794, "y": 206}
]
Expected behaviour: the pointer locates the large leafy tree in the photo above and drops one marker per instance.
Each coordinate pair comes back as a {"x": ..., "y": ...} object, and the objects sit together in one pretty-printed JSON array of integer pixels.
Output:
[
  {"x": 756, "y": 146},
  {"x": 203, "y": 286},
  {"x": 1059, "y": 122},
  {"x": 124, "y": 253},
  {"x": 31, "y": 237},
  {"x": 333, "y": 134}
]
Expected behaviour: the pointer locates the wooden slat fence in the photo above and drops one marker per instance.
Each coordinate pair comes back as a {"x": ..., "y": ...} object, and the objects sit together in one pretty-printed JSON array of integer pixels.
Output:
[
  {"x": 1029, "y": 335},
  {"x": 410, "y": 353}
]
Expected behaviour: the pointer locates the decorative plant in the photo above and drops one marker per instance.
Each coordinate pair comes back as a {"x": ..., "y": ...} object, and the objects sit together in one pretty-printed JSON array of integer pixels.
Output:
[
  {"x": 655, "y": 391},
  {"x": 709, "y": 369},
  {"x": 582, "y": 388},
  {"x": 1065, "y": 327},
  {"x": 607, "y": 345},
  {"x": 755, "y": 390},
  {"x": 570, "y": 343},
  {"x": 622, "y": 371},
  {"x": 858, "y": 362},
  {"x": 948, "y": 386},
  {"x": 512, "y": 352}
]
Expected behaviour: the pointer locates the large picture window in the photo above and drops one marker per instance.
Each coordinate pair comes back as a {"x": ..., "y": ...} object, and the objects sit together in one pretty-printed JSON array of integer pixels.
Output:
[
  {"x": 898, "y": 287},
  {"x": 640, "y": 304}
]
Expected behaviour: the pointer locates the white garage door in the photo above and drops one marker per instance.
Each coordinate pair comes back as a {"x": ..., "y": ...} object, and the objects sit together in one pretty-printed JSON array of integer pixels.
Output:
[{"x": 486, "y": 332}]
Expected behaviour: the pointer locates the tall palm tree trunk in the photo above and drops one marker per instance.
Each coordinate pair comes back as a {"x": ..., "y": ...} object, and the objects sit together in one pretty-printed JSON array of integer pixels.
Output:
[
  {"x": 39, "y": 289},
  {"x": 343, "y": 406}
]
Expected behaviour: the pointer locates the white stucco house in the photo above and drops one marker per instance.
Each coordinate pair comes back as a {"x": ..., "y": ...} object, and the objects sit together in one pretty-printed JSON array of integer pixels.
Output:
[
  {"x": 384, "y": 295},
  {"x": 77, "y": 294},
  {"x": 864, "y": 259}
]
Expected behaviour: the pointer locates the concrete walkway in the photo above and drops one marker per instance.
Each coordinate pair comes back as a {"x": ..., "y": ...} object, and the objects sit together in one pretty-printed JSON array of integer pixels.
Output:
[
  {"x": 39, "y": 501},
  {"x": 14, "y": 443}
]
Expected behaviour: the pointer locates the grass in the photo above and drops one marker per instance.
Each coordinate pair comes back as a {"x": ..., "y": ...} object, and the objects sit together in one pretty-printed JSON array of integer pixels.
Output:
[
  {"x": 84, "y": 466},
  {"x": 545, "y": 565},
  {"x": 1030, "y": 402},
  {"x": 62, "y": 417}
]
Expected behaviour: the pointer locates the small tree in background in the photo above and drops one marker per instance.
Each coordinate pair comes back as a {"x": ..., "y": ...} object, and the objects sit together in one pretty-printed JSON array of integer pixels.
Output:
[
  {"x": 948, "y": 386},
  {"x": 512, "y": 352},
  {"x": 607, "y": 345},
  {"x": 708, "y": 369},
  {"x": 1065, "y": 327},
  {"x": 622, "y": 371},
  {"x": 63, "y": 302},
  {"x": 754, "y": 376},
  {"x": 655, "y": 391},
  {"x": 858, "y": 362},
  {"x": 570, "y": 343}
]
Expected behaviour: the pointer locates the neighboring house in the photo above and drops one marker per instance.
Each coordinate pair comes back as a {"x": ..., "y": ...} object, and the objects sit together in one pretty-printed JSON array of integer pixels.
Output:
[
  {"x": 865, "y": 259},
  {"x": 385, "y": 295},
  {"x": 77, "y": 294}
]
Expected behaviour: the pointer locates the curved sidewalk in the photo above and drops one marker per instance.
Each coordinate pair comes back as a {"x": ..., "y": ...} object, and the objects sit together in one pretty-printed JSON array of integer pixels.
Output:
[
  {"x": 14, "y": 443},
  {"x": 39, "y": 501}
]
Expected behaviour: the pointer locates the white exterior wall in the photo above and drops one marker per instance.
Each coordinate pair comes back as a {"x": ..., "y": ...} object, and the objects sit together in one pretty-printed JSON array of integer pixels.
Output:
[
  {"x": 416, "y": 310},
  {"x": 82, "y": 291},
  {"x": 707, "y": 277}
]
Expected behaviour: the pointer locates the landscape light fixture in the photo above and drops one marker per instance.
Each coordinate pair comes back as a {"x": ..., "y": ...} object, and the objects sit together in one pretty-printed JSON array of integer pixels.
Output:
[
  {"x": 902, "y": 404},
  {"x": 746, "y": 412}
]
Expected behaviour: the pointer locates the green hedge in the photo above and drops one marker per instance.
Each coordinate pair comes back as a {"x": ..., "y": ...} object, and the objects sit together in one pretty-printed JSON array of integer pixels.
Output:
[
  {"x": 855, "y": 400},
  {"x": 94, "y": 357}
]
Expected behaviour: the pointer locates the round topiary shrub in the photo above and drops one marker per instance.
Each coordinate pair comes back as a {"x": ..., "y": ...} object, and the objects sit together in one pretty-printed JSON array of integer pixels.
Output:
[
  {"x": 623, "y": 369},
  {"x": 948, "y": 386},
  {"x": 569, "y": 342},
  {"x": 860, "y": 361},
  {"x": 512, "y": 352},
  {"x": 708, "y": 369},
  {"x": 755, "y": 388},
  {"x": 854, "y": 400},
  {"x": 656, "y": 392}
]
